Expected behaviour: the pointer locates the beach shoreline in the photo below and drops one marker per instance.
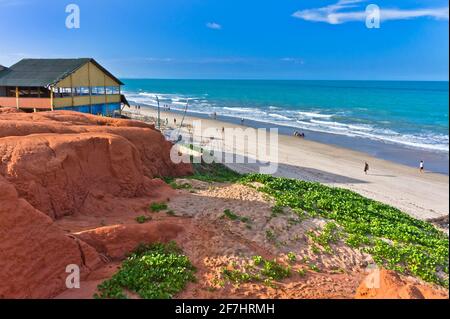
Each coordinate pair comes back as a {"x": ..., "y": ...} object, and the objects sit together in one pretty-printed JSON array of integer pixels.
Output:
[
  {"x": 436, "y": 161},
  {"x": 403, "y": 122},
  {"x": 424, "y": 196}
]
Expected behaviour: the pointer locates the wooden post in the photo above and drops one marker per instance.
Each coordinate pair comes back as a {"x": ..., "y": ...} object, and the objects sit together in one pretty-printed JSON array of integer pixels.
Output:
[
  {"x": 104, "y": 85},
  {"x": 17, "y": 97},
  {"x": 71, "y": 89},
  {"x": 90, "y": 88},
  {"x": 51, "y": 97},
  {"x": 120, "y": 103}
]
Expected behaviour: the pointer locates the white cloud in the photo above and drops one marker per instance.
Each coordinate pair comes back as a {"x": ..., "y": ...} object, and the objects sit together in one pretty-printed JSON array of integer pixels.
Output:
[
  {"x": 352, "y": 10},
  {"x": 293, "y": 60},
  {"x": 214, "y": 26},
  {"x": 159, "y": 59}
]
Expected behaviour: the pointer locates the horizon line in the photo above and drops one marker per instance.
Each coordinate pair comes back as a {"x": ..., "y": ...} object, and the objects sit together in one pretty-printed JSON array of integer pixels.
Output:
[{"x": 275, "y": 79}]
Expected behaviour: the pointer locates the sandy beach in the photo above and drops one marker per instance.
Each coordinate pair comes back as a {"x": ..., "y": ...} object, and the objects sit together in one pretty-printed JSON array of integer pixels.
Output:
[{"x": 422, "y": 195}]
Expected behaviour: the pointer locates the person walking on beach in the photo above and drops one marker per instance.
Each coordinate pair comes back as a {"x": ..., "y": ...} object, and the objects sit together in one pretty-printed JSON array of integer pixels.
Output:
[
  {"x": 421, "y": 166},
  {"x": 242, "y": 121},
  {"x": 366, "y": 168}
]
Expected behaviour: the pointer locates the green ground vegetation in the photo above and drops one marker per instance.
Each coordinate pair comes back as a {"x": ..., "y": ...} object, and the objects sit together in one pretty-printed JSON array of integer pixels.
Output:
[
  {"x": 157, "y": 207},
  {"x": 157, "y": 271},
  {"x": 261, "y": 270},
  {"x": 394, "y": 239}
]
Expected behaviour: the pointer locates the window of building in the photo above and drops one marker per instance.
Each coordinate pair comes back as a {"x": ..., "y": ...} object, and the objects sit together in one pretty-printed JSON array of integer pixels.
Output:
[
  {"x": 44, "y": 93},
  {"x": 11, "y": 92},
  {"x": 33, "y": 92},
  {"x": 100, "y": 90}
]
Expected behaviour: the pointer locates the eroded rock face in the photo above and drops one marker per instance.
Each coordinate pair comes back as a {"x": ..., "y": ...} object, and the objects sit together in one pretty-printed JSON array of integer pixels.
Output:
[
  {"x": 57, "y": 164},
  {"x": 34, "y": 253},
  {"x": 56, "y": 160},
  {"x": 386, "y": 284}
]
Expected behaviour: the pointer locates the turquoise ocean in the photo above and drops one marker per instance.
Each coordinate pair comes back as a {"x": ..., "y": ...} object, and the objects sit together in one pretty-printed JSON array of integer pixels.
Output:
[{"x": 403, "y": 121}]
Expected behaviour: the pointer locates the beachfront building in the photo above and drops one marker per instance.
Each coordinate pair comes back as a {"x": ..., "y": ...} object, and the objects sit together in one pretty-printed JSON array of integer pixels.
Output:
[{"x": 60, "y": 84}]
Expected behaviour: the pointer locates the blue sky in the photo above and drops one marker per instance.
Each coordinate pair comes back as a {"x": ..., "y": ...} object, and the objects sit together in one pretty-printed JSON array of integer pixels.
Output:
[{"x": 315, "y": 39}]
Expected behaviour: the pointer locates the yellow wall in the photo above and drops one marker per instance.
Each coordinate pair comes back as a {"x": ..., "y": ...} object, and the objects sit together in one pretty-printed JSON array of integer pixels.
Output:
[
  {"x": 88, "y": 75},
  {"x": 86, "y": 100}
]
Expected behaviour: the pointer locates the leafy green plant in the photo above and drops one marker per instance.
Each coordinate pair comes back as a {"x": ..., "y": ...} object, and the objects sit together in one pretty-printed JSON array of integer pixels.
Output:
[
  {"x": 275, "y": 271},
  {"x": 328, "y": 235},
  {"x": 394, "y": 239},
  {"x": 237, "y": 276},
  {"x": 230, "y": 215},
  {"x": 233, "y": 216},
  {"x": 170, "y": 213},
  {"x": 277, "y": 210},
  {"x": 157, "y": 271},
  {"x": 257, "y": 260},
  {"x": 214, "y": 172},
  {"x": 270, "y": 235},
  {"x": 157, "y": 207},
  {"x": 143, "y": 219},
  {"x": 174, "y": 185},
  {"x": 245, "y": 220},
  {"x": 301, "y": 272},
  {"x": 292, "y": 257},
  {"x": 314, "y": 267},
  {"x": 261, "y": 270},
  {"x": 294, "y": 221},
  {"x": 315, "y": 249}
]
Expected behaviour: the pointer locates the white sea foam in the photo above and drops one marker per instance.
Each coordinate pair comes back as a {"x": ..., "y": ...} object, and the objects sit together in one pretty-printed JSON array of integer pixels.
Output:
[
  {"x": 314, "y": 115},
  {"x": 278, "y": 116},
  {"x": 309, "y": 120}
]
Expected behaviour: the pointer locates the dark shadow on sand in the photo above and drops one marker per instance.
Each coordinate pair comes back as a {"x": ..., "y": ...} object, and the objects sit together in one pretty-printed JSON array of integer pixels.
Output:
[
  {"x": 297, "y": 172},
  {"x": 381, "y": 175}
]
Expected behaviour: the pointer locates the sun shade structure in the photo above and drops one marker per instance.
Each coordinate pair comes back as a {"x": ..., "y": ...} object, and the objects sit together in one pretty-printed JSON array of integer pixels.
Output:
[{"x": 71, "y": 84}]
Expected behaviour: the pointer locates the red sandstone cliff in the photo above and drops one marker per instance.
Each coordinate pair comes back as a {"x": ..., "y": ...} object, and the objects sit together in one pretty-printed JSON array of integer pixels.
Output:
[
  {"x": 57, "y": 164},
  {"x": 61, "y": 162}
]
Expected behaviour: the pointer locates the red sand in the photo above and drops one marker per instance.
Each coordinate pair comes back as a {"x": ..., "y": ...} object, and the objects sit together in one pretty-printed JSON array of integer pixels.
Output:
[
  {"x": 57, "y": 164},
  {"x": 391, "y": 285}
]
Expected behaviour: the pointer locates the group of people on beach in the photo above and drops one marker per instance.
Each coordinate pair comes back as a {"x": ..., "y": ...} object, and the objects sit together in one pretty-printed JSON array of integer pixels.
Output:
[
  {"x": 421, "y": 167},
  {"x": 214, "y": 116},
  {"x": 298, "y": 134}
]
